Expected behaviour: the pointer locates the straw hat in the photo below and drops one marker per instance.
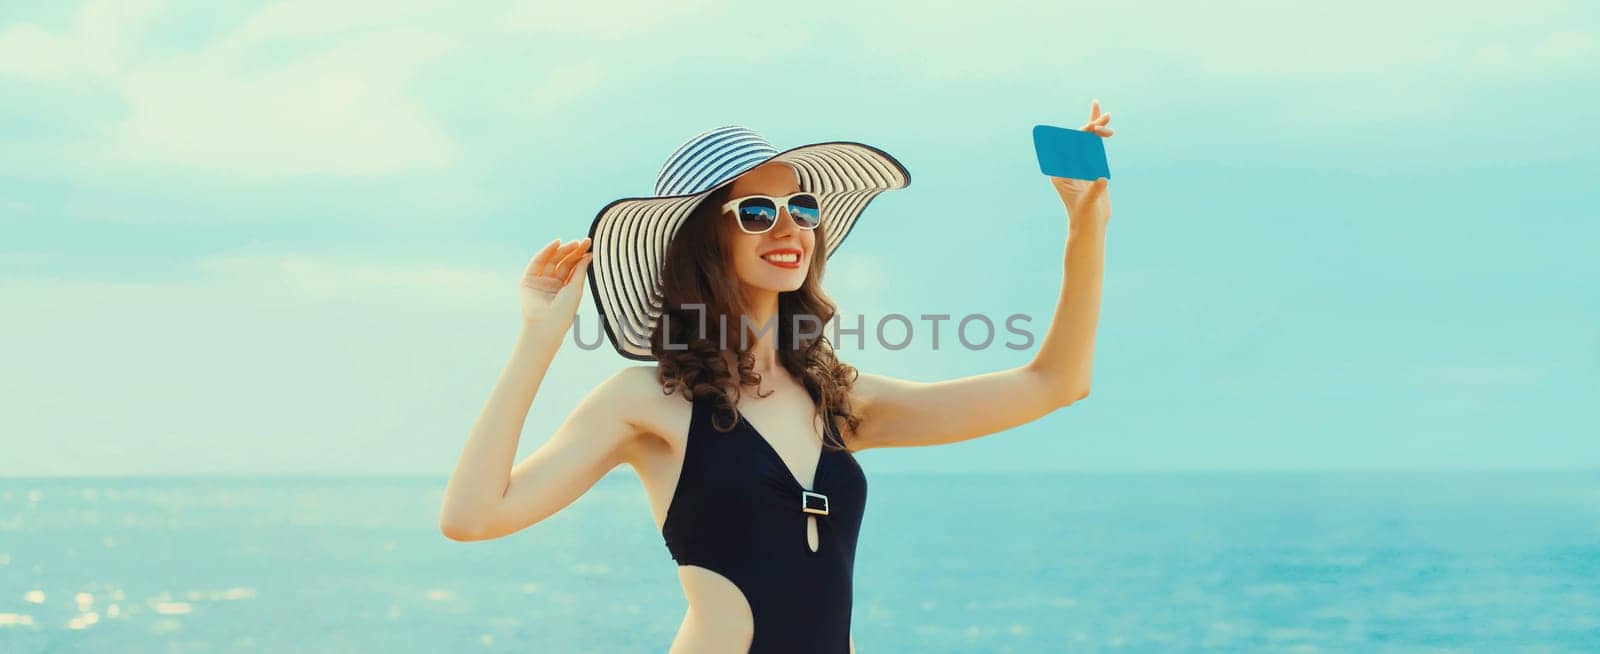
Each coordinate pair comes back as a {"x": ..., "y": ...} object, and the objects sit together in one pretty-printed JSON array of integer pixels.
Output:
[{"x": 629, "y": 237}]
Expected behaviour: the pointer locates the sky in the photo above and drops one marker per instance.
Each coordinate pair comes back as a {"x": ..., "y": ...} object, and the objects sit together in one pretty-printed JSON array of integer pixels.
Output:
[{"x": 284, "y": 238}]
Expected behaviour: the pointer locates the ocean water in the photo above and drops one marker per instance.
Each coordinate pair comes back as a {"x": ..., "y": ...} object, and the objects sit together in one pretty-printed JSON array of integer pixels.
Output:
[{"x": 1038, "y": 562}]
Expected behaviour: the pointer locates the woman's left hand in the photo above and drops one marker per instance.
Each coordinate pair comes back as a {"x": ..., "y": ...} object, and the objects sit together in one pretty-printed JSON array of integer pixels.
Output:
[{"x": 1088, "y": 203}]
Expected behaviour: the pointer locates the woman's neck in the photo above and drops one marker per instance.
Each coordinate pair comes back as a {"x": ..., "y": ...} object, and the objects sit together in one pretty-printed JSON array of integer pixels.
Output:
[{"x": 762, "y": 312}]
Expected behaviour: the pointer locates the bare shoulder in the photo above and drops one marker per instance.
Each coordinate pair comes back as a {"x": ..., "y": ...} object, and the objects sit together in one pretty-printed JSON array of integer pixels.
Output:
[
  {"x": 626, "y": 395},
  {"x": 841, "y": 426},
  {"x": 866, "y": 389},
  {"x": 634, "y": 396},
  {"x": 632, "y": 383}
]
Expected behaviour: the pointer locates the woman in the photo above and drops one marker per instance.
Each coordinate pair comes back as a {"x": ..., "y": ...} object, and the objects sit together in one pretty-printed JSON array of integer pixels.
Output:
[{"x": 715, "y": 278}]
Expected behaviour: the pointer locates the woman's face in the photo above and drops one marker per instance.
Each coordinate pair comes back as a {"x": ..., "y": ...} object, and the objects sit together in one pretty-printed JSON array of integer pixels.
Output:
[{"x": 757, "y": 259}]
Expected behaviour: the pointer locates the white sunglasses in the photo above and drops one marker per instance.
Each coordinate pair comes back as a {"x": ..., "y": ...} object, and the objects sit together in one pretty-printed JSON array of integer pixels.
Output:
[{"x": 759, "y": 213}]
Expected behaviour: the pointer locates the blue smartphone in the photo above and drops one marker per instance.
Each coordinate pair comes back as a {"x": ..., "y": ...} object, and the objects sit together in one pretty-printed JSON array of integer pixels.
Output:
[{"x": 1070, "y": 153}]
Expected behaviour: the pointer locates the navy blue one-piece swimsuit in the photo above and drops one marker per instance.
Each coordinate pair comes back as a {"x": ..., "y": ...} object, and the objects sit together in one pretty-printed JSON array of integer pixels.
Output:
[{"x": 740, "y": 512}]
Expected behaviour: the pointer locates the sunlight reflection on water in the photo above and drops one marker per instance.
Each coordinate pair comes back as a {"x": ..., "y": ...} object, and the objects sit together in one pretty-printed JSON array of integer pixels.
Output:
[{"x": 1153, "y": 563}]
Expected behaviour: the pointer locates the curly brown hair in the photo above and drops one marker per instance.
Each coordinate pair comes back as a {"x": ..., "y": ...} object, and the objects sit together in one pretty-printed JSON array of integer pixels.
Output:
[{"x": 696, "y": 272}]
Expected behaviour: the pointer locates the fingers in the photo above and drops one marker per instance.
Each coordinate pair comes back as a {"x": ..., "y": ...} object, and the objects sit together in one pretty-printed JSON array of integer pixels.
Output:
[
  {"x": 1098, "y": 124},
  {"x": 536, "y": 264},
  {"x": 1097, "y": 121},
  {"x": 574, "y": 286},
  {"x": 1096, "y": 189},
  {"x": 582, "y": 271},
  {"x": 1080, "y": 188},
  {"x": 551, "y": 259},
  {"x": 1068, "y": 183},
  {"x": 556, "y": 259},
  {"x": 570, "y": 256}
]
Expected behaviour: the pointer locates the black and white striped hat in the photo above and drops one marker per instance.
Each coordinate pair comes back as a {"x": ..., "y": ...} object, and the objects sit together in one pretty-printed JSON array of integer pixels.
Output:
[{"x": 629, "y": 237}]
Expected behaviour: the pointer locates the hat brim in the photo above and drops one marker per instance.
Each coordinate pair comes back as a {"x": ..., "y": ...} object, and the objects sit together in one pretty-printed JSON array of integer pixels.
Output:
[{"x": 629, "y": 237}]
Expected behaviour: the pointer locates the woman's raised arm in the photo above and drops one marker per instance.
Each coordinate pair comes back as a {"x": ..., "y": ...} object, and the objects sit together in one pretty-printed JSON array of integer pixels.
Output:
[
  {"x": 486, "y": 497},
  {"x": 902, "y": 413}
]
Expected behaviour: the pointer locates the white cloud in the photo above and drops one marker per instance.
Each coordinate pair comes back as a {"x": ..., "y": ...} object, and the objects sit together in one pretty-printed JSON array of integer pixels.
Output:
[
  {"x": 266, "y": 363},
  {"x": 862, "y": 276},
  {"x": 567, "y": 84},
  {"x": 29, "y": 52},
  {"x": 602, "y": 19},
  {"x": 343, "y": 110},
  {"x": 1555, "y": 51},
  {"x": 326, "y": 277},
  {"x": 1247, "y": 38},
  {"x": 264, "y": 99},
  {"x": 306, "y": 88},
  {"x": 313, "y": 19},
  {"x": 97, "y": 46}
]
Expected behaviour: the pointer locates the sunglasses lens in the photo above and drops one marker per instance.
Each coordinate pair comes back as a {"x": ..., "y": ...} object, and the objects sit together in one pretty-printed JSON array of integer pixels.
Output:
[
  {"x": 757, "y": 214},
  {"x": 805, "y": 210}
]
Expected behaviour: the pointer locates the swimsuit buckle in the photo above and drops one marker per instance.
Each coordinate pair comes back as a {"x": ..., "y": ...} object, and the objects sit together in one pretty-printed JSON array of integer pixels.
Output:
[{"x": 813, "y": 502}]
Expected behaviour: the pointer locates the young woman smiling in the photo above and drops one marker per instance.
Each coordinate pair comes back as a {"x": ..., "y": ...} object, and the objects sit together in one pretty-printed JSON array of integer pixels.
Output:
[{"x": 758, "y": 497}]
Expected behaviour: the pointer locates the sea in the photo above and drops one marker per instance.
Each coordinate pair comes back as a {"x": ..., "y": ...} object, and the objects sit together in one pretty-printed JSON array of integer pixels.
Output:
[{"x": 1226, "y": 561}]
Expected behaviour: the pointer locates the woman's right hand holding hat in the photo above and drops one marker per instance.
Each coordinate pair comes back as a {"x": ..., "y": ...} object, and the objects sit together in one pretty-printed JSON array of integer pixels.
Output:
[{"x": 553, "y": 283}]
